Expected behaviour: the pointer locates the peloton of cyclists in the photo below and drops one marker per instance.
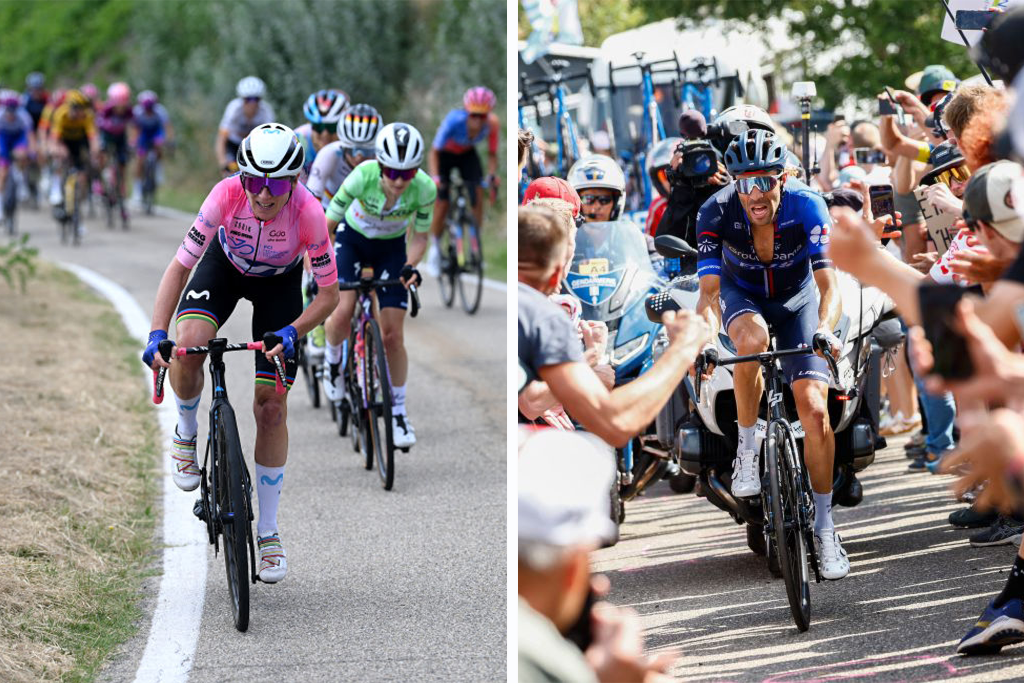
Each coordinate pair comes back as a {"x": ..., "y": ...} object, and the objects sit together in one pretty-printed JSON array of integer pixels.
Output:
[
  {"x": 378, "y": 205},
  {"x": 454, "y": 146},
  {"x": 241, "y": 115},
  {"x": 266, "y": 208}
]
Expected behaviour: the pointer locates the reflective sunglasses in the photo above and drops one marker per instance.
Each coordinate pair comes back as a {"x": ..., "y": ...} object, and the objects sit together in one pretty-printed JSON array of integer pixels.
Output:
[
  {"x": 251, "y": 99},
  {"x": 603, "y": 200},
  {"x": 961, "y": 174},
  {"x": 277, "y": 186},
  {"x": 765, "y": 183},
  {"x": 365, "y": 152},
  {"x": 396, "y": 173},
  {"x": 331, "y": 128}
]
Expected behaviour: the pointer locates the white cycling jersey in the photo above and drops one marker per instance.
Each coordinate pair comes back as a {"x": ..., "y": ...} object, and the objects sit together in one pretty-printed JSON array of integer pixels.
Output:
[
  {"x": 235, "y": 123},
  {"x": 328, "y": 172}
]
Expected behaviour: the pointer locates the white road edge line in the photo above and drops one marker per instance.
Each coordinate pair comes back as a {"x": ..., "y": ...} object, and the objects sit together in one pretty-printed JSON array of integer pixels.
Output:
[
  {"x": 176, "y": 214},
  {"x": 174, "y": 632}
]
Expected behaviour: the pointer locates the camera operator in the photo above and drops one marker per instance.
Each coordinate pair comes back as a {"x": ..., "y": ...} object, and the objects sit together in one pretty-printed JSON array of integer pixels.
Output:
[{"x": 696, "y": 172}]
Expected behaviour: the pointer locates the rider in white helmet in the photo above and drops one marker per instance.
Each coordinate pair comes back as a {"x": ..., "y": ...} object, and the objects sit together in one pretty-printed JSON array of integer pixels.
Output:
[
  {"x": 248, "y": 241},
  {"x": 601, "y": 186},
  {"x": 248, "y": 110}
]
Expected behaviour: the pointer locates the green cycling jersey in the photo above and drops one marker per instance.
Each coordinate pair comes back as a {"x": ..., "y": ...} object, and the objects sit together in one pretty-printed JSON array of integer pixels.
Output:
[{"x": 360, "y": 201}]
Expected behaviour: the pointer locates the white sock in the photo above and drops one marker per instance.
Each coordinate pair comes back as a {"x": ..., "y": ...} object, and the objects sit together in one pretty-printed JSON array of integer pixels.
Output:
[
  {"x": 746, "y": 436},
  {"x": 823, "y": 511},
  {"x": 268, "y": 488},
  {"x": 398, "y": 400},
  {"x": 333, "y": 353},
  {"x": 435, "y": 241},
  {"x": 188, "y": 419}
]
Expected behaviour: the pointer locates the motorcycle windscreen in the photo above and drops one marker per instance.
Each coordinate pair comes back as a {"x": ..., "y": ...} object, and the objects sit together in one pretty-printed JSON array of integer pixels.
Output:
[{"x": 611, "y": 270}]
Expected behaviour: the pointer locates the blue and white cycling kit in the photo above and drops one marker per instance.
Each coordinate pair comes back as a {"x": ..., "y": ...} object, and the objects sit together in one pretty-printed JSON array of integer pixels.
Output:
[{"x": 781, "y": 291}]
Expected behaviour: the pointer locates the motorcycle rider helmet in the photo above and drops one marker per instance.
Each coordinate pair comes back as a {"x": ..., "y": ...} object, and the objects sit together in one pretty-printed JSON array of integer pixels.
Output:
[
  {"x": 598, "y": 171},
  {"x": 271, "y": 150},
  {"x": 359, "y": 126},
  {"x": 659, "y": 160},
  {"x": 399, "y": 146},
  {"x": 251, "y": 86},
  {"x": 755, "y": 150},
  {"x": 325, "y": 106}
]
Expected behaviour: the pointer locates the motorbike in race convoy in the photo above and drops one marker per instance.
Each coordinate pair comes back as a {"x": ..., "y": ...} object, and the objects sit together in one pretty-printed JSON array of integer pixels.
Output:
[{"x": 699, "y": 433}]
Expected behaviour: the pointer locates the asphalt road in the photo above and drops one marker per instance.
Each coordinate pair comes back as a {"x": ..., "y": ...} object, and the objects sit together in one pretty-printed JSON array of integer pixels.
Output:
[
  {"x": 914, "y": 588},
  {"x": 402, "y": 585}
]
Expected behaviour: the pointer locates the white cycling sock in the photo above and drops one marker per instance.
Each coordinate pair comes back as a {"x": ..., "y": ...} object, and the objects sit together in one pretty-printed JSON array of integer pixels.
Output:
[
  {"x": 823, "y": 511},
  {"x": 398, "y": 400},
  {"x": 333, "y": 353},
  {"x": 435, "y": 241},
  {"x": 746, "y": 436},
  {"x": 268, "y": 488},
  {"x": 188, "y": 420}
]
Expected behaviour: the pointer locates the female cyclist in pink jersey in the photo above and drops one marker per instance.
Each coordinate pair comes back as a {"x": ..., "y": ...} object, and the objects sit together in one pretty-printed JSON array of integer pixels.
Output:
[{"x": 254, "y": 229}]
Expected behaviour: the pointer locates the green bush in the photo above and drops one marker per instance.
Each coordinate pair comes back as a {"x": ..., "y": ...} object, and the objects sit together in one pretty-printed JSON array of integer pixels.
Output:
[{"x": 17, "y": 262}]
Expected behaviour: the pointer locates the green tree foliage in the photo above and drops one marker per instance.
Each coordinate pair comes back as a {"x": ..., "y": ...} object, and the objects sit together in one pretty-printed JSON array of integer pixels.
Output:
[
  {"x": 599, "y": 19},
  {"x": 884, "y": 40}
]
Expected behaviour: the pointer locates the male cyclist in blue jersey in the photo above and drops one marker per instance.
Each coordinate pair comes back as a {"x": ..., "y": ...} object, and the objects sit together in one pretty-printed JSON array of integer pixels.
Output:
[{"x": 760, "y": 240}]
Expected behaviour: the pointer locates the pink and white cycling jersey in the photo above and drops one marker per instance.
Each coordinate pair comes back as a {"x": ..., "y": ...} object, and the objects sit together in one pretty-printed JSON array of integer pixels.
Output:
[{"x": 257, "y": 248}]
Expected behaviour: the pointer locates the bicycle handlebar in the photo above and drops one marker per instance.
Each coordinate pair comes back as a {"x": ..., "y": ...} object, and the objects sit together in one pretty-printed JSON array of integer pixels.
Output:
[
  {"x": 270, "y": 340},
  {"x": 367, "y": 285}
]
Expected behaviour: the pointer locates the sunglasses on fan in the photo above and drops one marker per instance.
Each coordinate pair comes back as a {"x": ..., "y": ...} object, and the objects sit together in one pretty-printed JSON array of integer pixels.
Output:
[
  {"x": 277, "y": 186},
  {"x": 765, "y": 183},
  {"x": 961, "y": 174},
  {"x": 398, "y": 173}
]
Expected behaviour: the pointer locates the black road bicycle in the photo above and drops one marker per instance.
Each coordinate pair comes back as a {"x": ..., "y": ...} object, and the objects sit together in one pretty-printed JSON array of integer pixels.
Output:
[
  {"x": 787, "y": 500},
  {"x": 462, "y": 259},
  {"x": 366, "y": 406},
  {"x": 225, "y": 489}
]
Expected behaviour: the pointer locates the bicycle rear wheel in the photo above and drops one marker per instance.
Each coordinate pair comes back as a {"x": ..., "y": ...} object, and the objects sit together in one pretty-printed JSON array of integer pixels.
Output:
[
  {"x": 471, "y": 274},
  {"x": 788, "y": 536},
  {"x": 449, "y": 266},
  {"x": 233, "y": 513},
  {"x": 378, "y": 412}
]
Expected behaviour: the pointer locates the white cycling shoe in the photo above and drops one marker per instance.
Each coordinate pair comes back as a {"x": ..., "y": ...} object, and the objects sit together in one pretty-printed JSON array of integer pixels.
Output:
[
  {"x": 402, "y": 433},
  {"x": 746, "y": 480},
  {"x": 334, "y": 383},
  {"x": 183, "y": 454},
  {"x": 432, "y": 264},
  {"x": 273, "y": 563},
  {"x": 832, "y": 560}
]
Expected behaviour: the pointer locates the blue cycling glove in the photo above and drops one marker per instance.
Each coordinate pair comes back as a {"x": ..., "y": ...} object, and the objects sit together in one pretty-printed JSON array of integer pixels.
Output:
[
  {"x": 288, "y": 337},
  {"x": 155, "y": 337}
]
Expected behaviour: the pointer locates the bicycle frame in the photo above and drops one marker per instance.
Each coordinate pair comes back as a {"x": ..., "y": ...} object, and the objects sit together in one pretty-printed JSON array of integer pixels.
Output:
[{"x": 565, "y": 126}]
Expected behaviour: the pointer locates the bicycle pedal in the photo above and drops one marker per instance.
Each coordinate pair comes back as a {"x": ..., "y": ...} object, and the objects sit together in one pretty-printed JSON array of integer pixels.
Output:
[
  {"x": 404, "y": 450},
  {"x": 198, "y": 510}
]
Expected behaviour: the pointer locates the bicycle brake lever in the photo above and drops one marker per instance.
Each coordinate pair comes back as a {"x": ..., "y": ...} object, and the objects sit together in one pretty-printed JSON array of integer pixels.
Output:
[
  {"x": 270, "y": 340},
  {"x": 414, "y": 295},
  {"x": 164, "y": 347}
]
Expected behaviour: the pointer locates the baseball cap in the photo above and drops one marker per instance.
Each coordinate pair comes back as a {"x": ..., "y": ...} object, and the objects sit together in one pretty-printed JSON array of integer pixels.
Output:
[
  {"x": 563, "y": 487},
  {"x": 989, "y": 198},
  {"x": 844, "y": 196},
  {"x": 936, "y": 77},
  {"x": 550, "y": 187}
]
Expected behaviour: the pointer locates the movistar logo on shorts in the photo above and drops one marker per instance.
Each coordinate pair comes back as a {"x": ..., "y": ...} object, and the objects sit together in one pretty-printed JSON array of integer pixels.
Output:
[{"x": 193, "y": 294}]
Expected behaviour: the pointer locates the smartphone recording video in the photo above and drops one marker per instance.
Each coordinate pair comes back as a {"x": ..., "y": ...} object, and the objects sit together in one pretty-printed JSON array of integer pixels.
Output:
[
  {"x": 949, "y": 348},
  {"x": 882, "y": 201},
  {"x": 867, "y": 155}
]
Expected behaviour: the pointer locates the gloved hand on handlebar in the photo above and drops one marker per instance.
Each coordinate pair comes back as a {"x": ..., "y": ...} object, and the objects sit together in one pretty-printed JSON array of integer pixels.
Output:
[
  {"x": 151, "y": 352},
  {"x": 410, "y": 276},
  {"x": 289, "y": 336},
  {"x": 824, "y": 337}
]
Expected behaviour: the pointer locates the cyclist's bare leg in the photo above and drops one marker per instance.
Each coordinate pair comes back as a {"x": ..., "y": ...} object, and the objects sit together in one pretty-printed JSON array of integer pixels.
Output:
[
  {"x": 437, "y": 221},
  {"x": 187, "y": 372},
  {"x": 749, "y": 333},
  {"x": 339, "y": 323},
  {"x": 3, "y": 175},
  {"x": 271, "y": 411},
  {"x": 392, "y": 327},
  {"x": 811, "y": 398},
  {"x": 478, "y": 207}
]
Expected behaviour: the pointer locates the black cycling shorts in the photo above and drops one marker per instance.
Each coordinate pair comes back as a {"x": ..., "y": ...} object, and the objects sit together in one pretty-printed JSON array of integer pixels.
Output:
[
  {"x": 469, "y": 167},
  {"x": 215, "y": 288},
  {"x": 78, "y": 153},
  {"x": 353, "y": 251},
  {"x": 116, "y": 145}
]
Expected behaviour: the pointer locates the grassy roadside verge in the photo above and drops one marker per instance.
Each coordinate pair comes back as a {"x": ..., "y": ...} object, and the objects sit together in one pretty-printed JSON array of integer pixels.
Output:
[{"x": 80, "y": 457}]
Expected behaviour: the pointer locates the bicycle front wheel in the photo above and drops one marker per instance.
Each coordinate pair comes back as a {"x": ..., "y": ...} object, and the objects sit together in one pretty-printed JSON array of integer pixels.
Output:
[
  {"x": 471, "y": 275},
  {"x": 233, "y": 513},
  {"x": 378, "y": 411},
  {"x": 787, "y": 522}
]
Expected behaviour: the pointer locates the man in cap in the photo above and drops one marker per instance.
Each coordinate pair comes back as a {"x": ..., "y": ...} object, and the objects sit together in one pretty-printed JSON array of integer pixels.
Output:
[
  {"x": 948, "y": 178},
  {"x": 990, "y": 212},
  {"x": 563, "y": 484}
]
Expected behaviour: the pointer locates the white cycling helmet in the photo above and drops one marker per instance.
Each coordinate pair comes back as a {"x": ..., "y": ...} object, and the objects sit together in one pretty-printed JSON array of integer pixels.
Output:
[
  {"x": 250, "y": 86},
  {"x": 400, "y": 146},
  {"x": 271, "y": 150},
  {"x": 359, "y": 126},
  {"x": 599, "y": 171}
]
